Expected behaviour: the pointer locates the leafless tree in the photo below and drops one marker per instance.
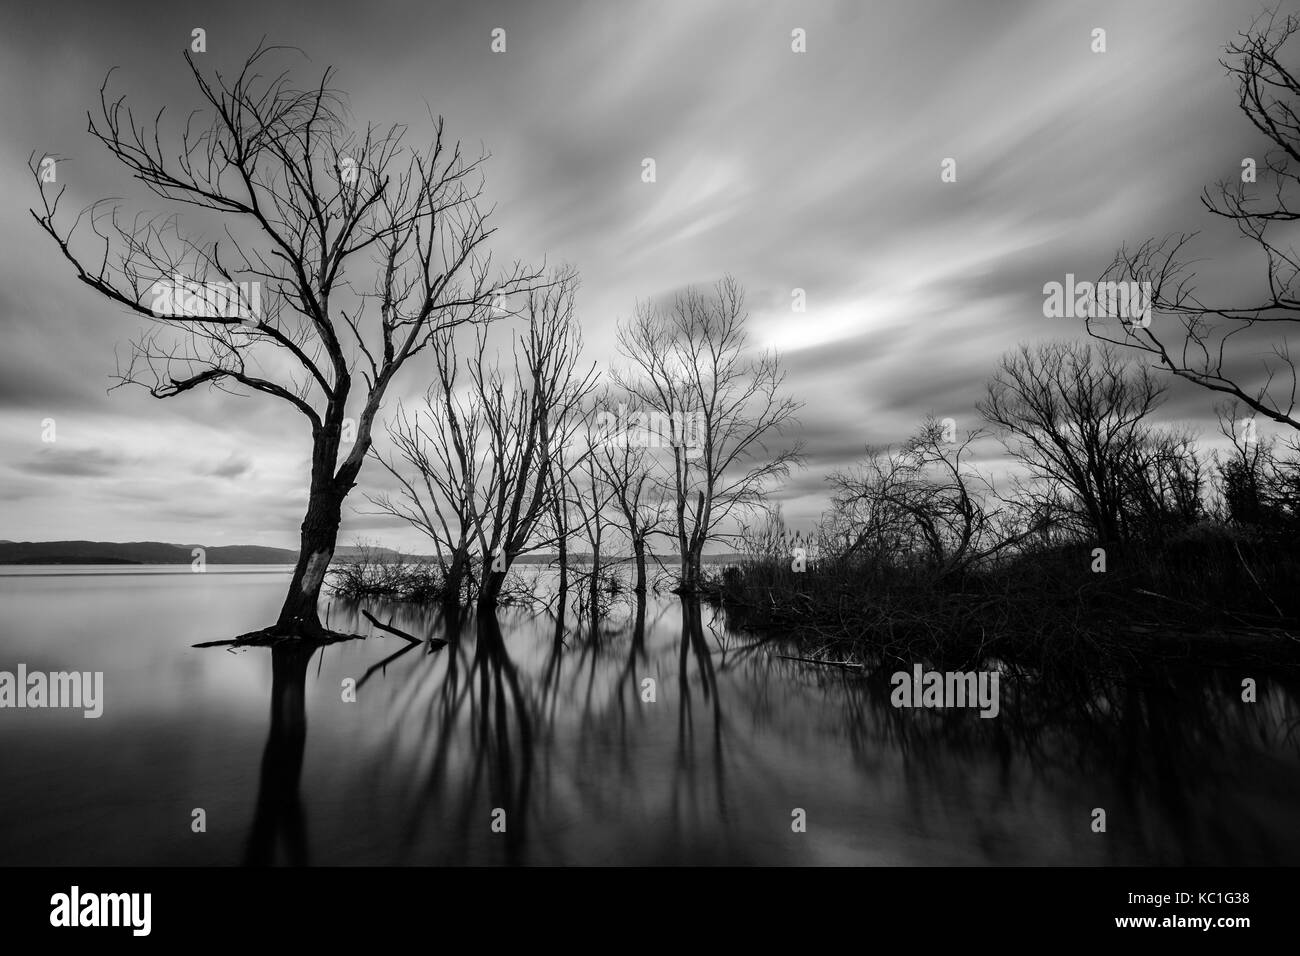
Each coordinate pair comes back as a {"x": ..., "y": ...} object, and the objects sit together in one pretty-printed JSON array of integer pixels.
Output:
[
  {"x": 1167, "y": 484},
  {"x": 527, "y": 424},
  {"x": 693, "y": 370},
  {"x": 440, "y": 447},
  {"x": 558, "y": 520},
  {"x": 590, "y": 496},
  {"x": 1076, "y": 415},
  {"x": 1217, "y": 342},
  {"x": 864, "y": 525},
  {"x": 1243, "y": 470},
  {"x": 478, "y": 469},
  {"x": 628, "y": 467},
  {"x": 1258, "y": 477},
  {"x": 923, "y": 497},
  {"x": 367, "y": 249}
]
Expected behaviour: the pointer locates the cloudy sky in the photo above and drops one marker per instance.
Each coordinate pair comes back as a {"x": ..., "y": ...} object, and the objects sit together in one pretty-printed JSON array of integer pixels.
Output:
[{"x": 818, "y": 171}]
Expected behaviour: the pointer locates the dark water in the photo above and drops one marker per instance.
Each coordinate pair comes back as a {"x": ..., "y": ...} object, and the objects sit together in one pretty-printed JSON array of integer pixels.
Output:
[{"x": 548, "y": 725}]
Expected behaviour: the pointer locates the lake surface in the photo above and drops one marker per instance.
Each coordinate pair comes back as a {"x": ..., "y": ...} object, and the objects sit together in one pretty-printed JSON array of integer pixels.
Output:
[{"x": 545, "y": 728}]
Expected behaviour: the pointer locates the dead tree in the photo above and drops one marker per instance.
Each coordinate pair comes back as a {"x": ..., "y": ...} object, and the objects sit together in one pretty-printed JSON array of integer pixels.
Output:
[
  {"x": 557, "y": 522},
  {"x": 713, "y": 406},
  {"x": 525, "y": 425},
  {"x": 477, "y": 470},
  {"x": 440, "y": 446},
  {"x": 365, "y": 247},
  {"x": 1076, "y": 416},
  {"x": 590, "y": 496},
  {"x": 629, "y": 470},
  {"x": 1215, "y": 343}
]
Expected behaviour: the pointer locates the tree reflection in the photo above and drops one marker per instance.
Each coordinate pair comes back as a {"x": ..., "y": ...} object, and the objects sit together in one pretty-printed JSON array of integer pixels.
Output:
[
  {"x": 550, "y": 721},
  {"x": 279, "y": 814}
]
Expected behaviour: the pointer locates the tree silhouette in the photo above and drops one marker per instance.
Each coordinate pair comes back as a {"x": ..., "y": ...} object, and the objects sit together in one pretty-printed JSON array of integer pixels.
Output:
[
  {"x": 367, "y": 248},
  {"x": 1215, "y": 336}
]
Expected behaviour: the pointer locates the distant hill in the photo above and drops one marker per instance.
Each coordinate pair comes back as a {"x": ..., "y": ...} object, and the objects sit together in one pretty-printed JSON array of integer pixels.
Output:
[
  {"x": 72, "y": 559},
  {"x": 136, "y": 552}
]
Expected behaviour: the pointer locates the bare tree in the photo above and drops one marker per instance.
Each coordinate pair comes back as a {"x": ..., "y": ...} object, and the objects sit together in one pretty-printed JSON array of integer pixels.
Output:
[
  {"x": 923, "y": 497},
  {"x": 478, "y": 470},
  {"x": 1166, "y": 484},
  {"x": 627, "y": 466},
  {"x": 441, "y": 446},
  {"x": 1258, "y": 478},
  {"x": 1075, "y": 415},
  {"x": 557, "y": 521},
  {"x": 525, "y": 426},
  {"x": 862, "y": 523},
  {"x": 693, "y": 371},
  {"x": 1214, "y": 337},
  {"x": 590, "y": 496},
  {"x": 367, "y": 248},
  {"x": 1243, "y": 471}
]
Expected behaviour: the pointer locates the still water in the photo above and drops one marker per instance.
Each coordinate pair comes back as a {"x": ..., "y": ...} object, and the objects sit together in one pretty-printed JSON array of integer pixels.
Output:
[{"x": 544, "y": 728}]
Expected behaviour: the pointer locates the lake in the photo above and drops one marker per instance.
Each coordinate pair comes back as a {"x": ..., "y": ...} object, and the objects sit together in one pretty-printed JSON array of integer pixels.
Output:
[{"x": 520, "y": 742}]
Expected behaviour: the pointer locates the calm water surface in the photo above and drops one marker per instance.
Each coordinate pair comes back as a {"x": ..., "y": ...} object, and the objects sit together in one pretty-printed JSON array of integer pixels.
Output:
[{"x": 547, "y": 724}]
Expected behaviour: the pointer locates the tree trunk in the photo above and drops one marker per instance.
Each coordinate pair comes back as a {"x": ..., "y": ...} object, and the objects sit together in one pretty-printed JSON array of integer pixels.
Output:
[
  {"x": 279, "y": 814},
  {"x": 563, "y": 548},
  {"x": 594, "y": 591},
  {"x": 300, "y": 613},
  {"x": 690, "y": 570},
  {"x": 455, "y": 577},
  {"x": 638, "y": 548},
  {"x": 490, "y": 591},
  {"x": 696, "y": 576}
]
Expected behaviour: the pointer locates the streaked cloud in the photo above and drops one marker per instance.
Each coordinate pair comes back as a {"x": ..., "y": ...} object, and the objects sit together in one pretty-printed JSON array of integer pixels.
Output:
[{"x": 817, "y": 171}]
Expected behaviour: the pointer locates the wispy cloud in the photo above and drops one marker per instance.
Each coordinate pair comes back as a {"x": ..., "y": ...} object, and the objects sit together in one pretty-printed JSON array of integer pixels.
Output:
[{"x": 817, "y": 171}]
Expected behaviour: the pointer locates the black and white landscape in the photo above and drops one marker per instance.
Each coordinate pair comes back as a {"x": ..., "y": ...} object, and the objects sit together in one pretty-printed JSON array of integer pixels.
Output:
[{"x": 565, "y": 433}]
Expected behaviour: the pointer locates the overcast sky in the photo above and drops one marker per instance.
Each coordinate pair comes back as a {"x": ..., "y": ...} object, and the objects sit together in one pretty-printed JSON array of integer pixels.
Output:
[{"x": 818, "y": 171}]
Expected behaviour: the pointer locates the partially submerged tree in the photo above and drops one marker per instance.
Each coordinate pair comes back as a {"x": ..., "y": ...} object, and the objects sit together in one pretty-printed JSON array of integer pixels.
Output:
[
  {"x": 713, "y": 405},
  {"x": 478, "y": 470},
  {"x": 439, "y": 445},
  {"x": 527, "y": 421},
  {"x": 628, "y": 468},
  {"x": 591, "y": 495},
  {"x": 1216, "y": 344},
  {"x": 367, "y": 249}
]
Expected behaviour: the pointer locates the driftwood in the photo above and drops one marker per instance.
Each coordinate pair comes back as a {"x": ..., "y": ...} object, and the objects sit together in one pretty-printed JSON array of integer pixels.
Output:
[
  {"x": 435, "y": 644},
  {"x": 847, "y": 665},
  {"x": 271, "y": 637},
  {"x": 389, "y": 627}
]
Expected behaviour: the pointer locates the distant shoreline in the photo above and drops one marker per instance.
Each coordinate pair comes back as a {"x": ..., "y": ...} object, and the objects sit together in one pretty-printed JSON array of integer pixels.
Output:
[{"x": 155, "y": 553}]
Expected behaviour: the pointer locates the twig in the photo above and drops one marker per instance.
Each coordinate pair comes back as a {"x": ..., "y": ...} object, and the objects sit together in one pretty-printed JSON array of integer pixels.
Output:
[
  {"x": 808, "y": 660},
  {"x": 389, "y": 627},
  {"x": 1237, "y": 548}
]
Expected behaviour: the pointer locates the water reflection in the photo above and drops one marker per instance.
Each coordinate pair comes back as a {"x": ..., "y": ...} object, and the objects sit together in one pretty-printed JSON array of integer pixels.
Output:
[
  {"x": 278, "y": 818},
  {"x": 655, "y": 734}
]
